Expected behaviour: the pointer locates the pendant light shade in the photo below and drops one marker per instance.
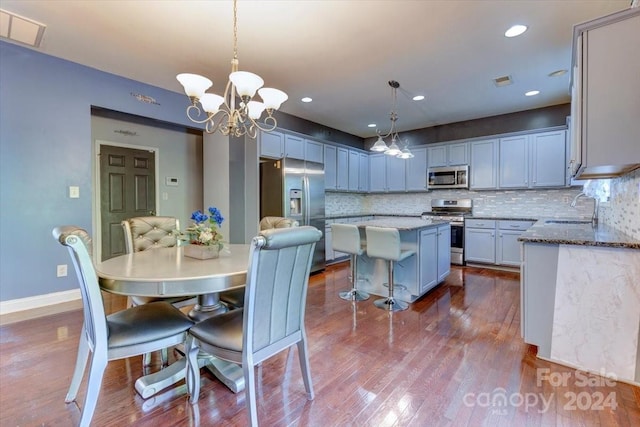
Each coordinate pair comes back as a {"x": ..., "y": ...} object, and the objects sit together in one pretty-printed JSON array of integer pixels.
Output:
[{"x": 393, "y": 149}]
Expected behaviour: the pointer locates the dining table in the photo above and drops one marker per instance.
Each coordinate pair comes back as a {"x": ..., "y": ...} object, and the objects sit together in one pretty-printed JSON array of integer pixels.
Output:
[{"x": 168, "y": 272}]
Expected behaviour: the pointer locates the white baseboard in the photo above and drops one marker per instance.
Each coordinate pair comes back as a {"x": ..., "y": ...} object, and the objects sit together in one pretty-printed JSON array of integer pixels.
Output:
[{"x": 38, "y": 301}]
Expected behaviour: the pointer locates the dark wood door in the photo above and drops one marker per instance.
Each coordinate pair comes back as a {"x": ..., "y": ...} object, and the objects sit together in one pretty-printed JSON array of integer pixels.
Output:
[{"x": 127, "y": 189}]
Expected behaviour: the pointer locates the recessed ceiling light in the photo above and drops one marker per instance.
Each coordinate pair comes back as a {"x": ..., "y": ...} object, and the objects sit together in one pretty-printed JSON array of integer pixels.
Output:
[
  {"x": 418, "y": 97},
  {"x": 306, "y": 99},
  {"x": 371, "y": 125},
  {"x": 532, "y": 93},
  {"x": 558, "y": 73},
  {"x": 515, "y": 30}
]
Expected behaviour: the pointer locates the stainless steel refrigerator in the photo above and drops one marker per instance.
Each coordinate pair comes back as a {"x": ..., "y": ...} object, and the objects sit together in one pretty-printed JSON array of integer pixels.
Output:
[{"x": 295, "y": 189}]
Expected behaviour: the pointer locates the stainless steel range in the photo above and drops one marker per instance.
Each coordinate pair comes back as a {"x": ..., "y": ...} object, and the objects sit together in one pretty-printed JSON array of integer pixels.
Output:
[{"x": 453, "y": 211}]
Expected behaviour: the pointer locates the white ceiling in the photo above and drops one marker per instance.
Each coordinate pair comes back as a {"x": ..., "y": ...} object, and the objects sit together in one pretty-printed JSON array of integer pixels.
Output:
[{"x": 340, "y": 53}]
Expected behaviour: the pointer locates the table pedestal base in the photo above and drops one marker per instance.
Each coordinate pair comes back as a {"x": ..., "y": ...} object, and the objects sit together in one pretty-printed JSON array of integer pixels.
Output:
[{"x": 229, "y": 373}]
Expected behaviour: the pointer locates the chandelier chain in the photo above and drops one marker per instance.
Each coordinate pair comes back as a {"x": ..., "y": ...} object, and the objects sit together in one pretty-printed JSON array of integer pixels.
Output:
[{"x": 235, "y": 29}]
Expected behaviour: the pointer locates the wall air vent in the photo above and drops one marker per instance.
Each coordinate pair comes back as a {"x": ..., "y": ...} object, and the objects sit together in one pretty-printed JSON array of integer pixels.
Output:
[
  {"x": 503, "y": 81},
  {"x": 22, "y": 30}
]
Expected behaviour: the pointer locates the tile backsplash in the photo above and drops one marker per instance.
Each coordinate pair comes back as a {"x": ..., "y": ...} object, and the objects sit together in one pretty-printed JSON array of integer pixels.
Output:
[{"x": 622, "y": 212}]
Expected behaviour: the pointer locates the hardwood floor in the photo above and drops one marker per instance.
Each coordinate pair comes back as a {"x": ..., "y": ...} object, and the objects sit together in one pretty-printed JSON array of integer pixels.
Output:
[{"x": 447, "y": 361}]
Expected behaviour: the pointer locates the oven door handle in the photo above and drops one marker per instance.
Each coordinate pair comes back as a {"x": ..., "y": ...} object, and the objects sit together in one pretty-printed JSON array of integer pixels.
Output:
[{"x": 457, "y": 223}]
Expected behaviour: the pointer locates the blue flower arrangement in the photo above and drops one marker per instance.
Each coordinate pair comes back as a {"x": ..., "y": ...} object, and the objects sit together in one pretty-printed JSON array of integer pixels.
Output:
[{"x": 205, "y": 230}]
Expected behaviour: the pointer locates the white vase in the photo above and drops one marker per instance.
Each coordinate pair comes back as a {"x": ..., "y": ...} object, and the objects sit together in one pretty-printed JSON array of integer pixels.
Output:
[{"x": 201, "y": 251}]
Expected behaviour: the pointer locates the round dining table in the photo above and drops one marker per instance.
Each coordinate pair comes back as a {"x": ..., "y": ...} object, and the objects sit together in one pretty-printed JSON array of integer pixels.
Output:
[{"x": 167, "y": 272}]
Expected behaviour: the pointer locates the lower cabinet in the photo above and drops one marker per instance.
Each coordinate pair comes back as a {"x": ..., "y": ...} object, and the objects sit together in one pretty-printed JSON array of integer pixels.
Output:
[
  {"x": 435, "y": 256},
  {"x": 480, "y": 241},
  {"x": 494, "y": 242}
]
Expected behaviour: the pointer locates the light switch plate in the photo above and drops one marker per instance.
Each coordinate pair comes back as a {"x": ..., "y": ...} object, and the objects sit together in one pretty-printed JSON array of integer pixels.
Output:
[{"x": 74, "y": 192}]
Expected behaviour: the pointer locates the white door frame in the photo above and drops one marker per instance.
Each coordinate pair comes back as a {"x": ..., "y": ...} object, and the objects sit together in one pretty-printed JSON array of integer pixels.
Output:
[{"x": 95, "y": 184}]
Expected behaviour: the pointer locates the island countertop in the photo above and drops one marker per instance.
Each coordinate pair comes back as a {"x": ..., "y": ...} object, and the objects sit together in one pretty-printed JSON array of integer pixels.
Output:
[{"x": 401, "y": 223}]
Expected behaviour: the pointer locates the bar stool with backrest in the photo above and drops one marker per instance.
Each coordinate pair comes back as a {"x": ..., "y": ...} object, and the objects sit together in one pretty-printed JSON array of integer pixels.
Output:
[
  {"x": 346, "y": 238},
  {"x": 384, "y": 243}
]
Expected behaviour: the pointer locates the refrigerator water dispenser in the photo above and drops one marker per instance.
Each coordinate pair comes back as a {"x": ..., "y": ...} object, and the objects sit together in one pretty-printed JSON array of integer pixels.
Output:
[{"x": 295, "y": 202}]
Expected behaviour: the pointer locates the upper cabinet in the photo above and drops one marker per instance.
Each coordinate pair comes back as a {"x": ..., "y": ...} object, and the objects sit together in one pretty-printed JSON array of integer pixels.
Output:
[
  {"x": 532, "y": 161},
  {"x": 330, "y": 165},
  {"x": 484, "y": 164},
  {"x": 313, "y": 151},
  {"x": 417, "y": 170},
  {"x": 342, "y": 169},
  {"x": 605, "y": 104},
  {"x": 448, "y": 154},
  {"x": 294, "y": 147},
  {"x": 386, "y": 173},
  {"x": 271, "y": 144}
]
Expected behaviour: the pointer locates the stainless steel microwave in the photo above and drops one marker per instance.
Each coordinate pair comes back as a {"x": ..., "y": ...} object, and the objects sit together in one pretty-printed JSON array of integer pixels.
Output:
[{"x": 448, "y": 177}]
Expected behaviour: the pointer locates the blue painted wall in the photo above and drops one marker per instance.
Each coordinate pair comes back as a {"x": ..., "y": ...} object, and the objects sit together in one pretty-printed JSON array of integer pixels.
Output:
[{"x": 46, "y": 146}]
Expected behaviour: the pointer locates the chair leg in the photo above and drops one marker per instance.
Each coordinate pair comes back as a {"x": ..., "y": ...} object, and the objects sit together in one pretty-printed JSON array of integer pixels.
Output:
[
  {"x": 81, "y": 364},
  {"x": 390, "y": 303},
  {"x": 304, "y": 366},
  {"x": 164, "y": 356},
  {"x": 250, "y": 392},
  {"x": 96, "y": 370},
  {"x": 354, "y": 294},
  {"x": 146, "y": 360},
  {"x": 192, "y": 370}
]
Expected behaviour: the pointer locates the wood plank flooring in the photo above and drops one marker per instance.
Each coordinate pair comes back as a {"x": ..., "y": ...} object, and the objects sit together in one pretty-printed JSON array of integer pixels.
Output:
[{"x": 455, "y": 358}]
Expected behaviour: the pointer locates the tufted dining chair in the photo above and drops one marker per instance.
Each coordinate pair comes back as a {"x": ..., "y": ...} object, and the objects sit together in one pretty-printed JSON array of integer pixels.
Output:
[
  {"x": 130, "y": 332},
  {"x": 272, "y": 319},
  {"x": 146, "y": 233},
  {"x": 235, "y": 297}
]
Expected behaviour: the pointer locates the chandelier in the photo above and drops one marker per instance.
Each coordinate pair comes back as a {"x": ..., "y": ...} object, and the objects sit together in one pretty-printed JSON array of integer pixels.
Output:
[
  {"x": 392, "y": 149},
  {"x": 222, "y": 113}
]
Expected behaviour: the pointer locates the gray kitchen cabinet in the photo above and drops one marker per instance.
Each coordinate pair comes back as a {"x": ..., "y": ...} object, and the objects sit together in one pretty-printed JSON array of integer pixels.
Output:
[
  {"x": 330, "y": 167},
  {"x": 533, "y": 161},
  {"x": 386, "y": 173},
  {"x": 449, "y": 154},
  {"x": 354, "y": 171},
  {"x": 435, "y": 256},
  {"x": 416, "y": 168},
  {"x": 363, "y": 169},
  {"x": 480, "y": 241},
  {"x": 271, "y": 145},
  {"x": 494, "y": 242},
  {"x": 605, "y": 93},
  {"x": 313, "y": 151},
  {"x": 548, "y": 166},
  {"x": 483, "y": 166},
  {"x": 294, "y": 147},
  {"x": 342, "y": 169},
  {"x": 514, "y": 162},
  {"x": 395, "y": 171}
]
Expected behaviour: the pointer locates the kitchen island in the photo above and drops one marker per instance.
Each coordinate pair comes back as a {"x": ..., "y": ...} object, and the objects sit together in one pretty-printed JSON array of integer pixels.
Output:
[
  {"x": 580, "y": 296},
  {"x": 416, "y": 275}
]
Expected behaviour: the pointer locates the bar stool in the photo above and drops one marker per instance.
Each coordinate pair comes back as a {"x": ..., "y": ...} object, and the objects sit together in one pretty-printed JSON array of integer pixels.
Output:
[
  {"x": 346, "y": 238},
  {"x": 384, "y": 243}
]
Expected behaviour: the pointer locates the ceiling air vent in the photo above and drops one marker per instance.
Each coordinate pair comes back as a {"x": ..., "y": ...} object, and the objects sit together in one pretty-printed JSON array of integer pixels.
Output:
[
  {"x": 22, "y": 30},
  {"x": 502, "y": 81}
]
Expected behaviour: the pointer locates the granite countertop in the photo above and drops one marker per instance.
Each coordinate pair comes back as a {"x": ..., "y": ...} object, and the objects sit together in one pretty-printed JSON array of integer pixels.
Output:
[
  {"x": 501, "y": 218},
  {"x": 577, "y": 234},
  {"x": 371, "y": 214},
  {"x": 402, "y": 224}
]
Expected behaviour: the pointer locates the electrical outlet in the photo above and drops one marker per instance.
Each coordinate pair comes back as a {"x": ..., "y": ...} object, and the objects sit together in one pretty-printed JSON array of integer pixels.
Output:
[
  {"x": 61, "y": 270},
  {"x": 565, "y": 199}
]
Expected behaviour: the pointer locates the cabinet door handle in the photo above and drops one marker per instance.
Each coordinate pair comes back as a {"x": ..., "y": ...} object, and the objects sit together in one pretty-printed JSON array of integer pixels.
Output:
[{"x": 514, "y": 226}]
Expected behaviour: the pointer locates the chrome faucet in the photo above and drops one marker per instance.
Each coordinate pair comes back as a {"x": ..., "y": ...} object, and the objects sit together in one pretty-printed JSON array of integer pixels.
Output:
[{"x": 596, "y": 204}]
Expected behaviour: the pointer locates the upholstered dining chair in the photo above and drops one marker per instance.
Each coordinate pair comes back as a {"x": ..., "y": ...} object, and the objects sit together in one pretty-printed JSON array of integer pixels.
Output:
[
  {"x": 272, "y": 319},
  {"x": 235, "y": 297},
  {"x": 144, "y": 233},
  {"x": 130, "y": 332}
]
